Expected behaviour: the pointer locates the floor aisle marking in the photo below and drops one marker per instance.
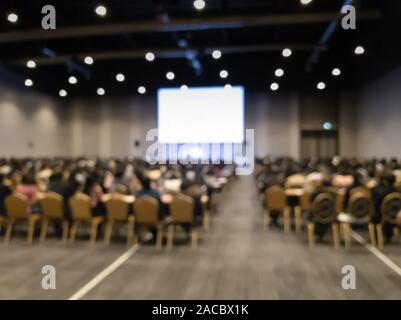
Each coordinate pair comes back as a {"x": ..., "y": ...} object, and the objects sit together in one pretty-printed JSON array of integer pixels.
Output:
[
  {"x": 381, "y": 256},
  {"x": 105, "y": 273}
]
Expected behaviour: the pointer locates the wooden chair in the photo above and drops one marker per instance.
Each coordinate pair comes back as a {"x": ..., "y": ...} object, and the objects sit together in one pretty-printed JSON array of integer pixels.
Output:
[
  {"x": 390, "y": 208},
  {"x": 196, "y": 191},
  {"x": 81, "y": 213},
  {"x": 146, "y": 211},
  {"x": 360, "y": 189},
  {"x": 182, "y": 213},
  {"x": 52, "y": 210},
  {"x": 360, "y": 211},
  {"x": 304, "y": 206},
  {"x": 324, "y": 212},
  {"x": 18, "y": 210},
  {"x": 118, "y": 212},
  {"x": 276, "y": 200}
]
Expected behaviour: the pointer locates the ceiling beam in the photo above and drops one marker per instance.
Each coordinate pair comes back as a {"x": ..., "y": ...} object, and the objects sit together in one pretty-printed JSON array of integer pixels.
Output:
[
  {"x": 171, "y": 53},
  {"x": 193, "y": 24}
]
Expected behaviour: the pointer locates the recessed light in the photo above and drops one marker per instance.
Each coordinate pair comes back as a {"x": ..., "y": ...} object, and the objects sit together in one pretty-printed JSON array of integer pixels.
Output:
[
  {"x": 216, "y": 54},
  {"x": 359, "y": 50},
  {"x": 274, "y": 86},
  {"x": 279, "y": 72},
  {"x": 28, "y": 83},
  {"x": 100, "y": 91},
  {"x": 31, "y": 64},
  {"x": 287, "y": 53},
  {"x": 12, "y": 17},
  {"x": 223, "y": 74},
  {"x": 72, "y": 80},
  {"x": 327, "y": 126},
  {"x": 88, "y": 60},
  {"x": 305, "y": 2},
  {"x": 150, "y": 56},
  {"x": 101, "y": 10},
  {"x": 120, "y": 77},
  {"x": 170, "y": 75},
  {"x": 199, "y": 4},
  {"x": 228, "y": 86},
  {"x": 184, "y": 87},
  {"x": 321, "y": 86},
  {"x": 336, "y": 72},
  {"x": 62, "y": 93},
  {"x": 142, "y": 90}
]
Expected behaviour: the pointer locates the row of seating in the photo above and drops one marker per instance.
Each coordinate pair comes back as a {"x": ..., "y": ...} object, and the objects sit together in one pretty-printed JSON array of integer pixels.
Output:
[{"x": 326, "y": 209}]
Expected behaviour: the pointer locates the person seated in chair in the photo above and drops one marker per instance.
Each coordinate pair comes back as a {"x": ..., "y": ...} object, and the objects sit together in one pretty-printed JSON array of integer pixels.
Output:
[
  {"x": 4, "y": 192},
  {"x": 94, "y": 190},
  {"x": 29, "y": 189}
]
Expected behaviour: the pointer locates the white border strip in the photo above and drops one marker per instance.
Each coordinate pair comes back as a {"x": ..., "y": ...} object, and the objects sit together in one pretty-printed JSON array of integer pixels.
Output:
[
  {"x": 105, "y": 273},
  {"x": 387, "y": 261}
]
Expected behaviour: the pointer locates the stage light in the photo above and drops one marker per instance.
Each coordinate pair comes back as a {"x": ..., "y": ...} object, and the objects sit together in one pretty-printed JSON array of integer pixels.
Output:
[
  {"x": 223, "y": 74},
  {"x": 101, "y": 10},
  {"x": 100, "y": 91},
  {"x": 142, "y": 90},
  {"x": 62, "y": 93},
  {"x": 287, "y": 53},
  {"x": 72, "y": 80},
  {"x": 336, "y": 72},
  {"x": 12, "y": 17},
  {"x": 216, "y": 54},
  {"x": 359, "y": 50},
  {"x": 170, "y": 75},
  {"x": 88, "y": 60},
  {"x": 184, "y": 87},
  {"x": 31, "y": 64},
  {"x": 305, "y": 2},
  {"x": 28, "y": 83},
  {"x": 199, "y": 4},
  {"x": 321, "y": 86},
  {"x": 279, "y": 72},
  {"x": 228, "y": 86},
  {"x": 150, "y": 56},
  {"x": 274, "y": 86},
  {"x": 120, "y": 77}
]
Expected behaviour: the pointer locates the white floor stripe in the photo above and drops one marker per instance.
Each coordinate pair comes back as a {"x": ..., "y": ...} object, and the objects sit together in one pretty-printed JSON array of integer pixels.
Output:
[
  {"x": 386, "y": 260},
  {"x": 105, "y": 273}
]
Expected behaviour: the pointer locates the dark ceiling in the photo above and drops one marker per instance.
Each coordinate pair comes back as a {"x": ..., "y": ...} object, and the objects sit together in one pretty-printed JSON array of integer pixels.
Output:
[{"x": 250, "y": 33}]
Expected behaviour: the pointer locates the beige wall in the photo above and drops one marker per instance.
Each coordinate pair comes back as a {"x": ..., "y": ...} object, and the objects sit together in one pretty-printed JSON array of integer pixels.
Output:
[{"x": 27, "y": 117}]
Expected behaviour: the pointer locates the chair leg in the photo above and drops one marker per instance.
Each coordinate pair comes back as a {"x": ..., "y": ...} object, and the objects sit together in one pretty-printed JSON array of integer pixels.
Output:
[
  {"x": 298, "y": 220},
  {"x": 65, "y": 231},
  {"x": 93, "y": 236},
  {"x": 73, "y": 232},
  {"x": 311, "y": 234},
  {"x": 265, "y": 219},
  {"x": 31, "y": 229},
  {"x": 347, "y": 236},
  {"x": 336, "y": 235},
  {"x": 43, "y": 230},
  {"x": 287, "y": 220},
  {"x": 107, "y": 232},
  {"x": 372, "y": 235},
  {"x": 130, "y": 233},
  {"x": 9, "y": 230},
  {"x": 159, "y": 237},
  {"x": 396, "y": 232},
  {"x": 194, "y": 238},
  {"x": 170, "y": 237},
  {"x": 206, "y": 221},
  {"x": 380, "y": 241}
]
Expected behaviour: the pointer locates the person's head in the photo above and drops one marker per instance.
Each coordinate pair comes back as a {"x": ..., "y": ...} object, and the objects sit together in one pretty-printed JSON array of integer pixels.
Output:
[{"x": 28, "y": 178}]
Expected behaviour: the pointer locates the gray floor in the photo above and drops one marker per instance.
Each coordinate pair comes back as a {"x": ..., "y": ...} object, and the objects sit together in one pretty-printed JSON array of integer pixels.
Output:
[{"x": 235, "y": 260}]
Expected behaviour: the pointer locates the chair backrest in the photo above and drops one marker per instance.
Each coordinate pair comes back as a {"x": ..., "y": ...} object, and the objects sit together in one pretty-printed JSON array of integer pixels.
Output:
[
  {"x": 194, "y": 190},
  {"x": 360, "y": 205},
  {"x": 182, "y": 209},
  {"x": 390, "y": 207},
  {"x": 121, "y": 189},
  {"x": 275, "y": 198},
  {"x": 304, "y": 201},
  {"x": 80, "y": 206},
  {"x": 17, "y": 207},
  {"x": 360, "y": 189},
  {"x": 117, "y": 209},
  {"x": 324, "y": 208},
  {"x": 146, "y": 210},
  {"x": 52, "y": 206}
]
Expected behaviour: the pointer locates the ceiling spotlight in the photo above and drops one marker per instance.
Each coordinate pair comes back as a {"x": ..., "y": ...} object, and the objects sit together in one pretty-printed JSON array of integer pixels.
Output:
[
  {"x": 31, "y": 64},
  {"x": 88, "y": 60},
  {"x": 199, "y": 4},
  {"x": 100, "y": 91},
  {"x": 12, "y": 17},
  {"x": 359, "y": 50},
  {"x": 327, "y": 126},
  {"x": 142, "y": 90},
  {"x": 279, "y": 72},
  {"x": 101, "y": 10},
  {"x": 72, "y": 80},
  {"x": 170, "y": 75},
  {"x": 28, "y": 83},
  {"x": 305, "y": 2},
  {"x": 223, "y": 74},
  {"x": 287, "y": 52},
  {"x": 228, "y": 86},
  {"x": 336, "y": 72},
  {"x": 184, "y": 87},
  {"x": 62, "y": 93},
  {"x": 321, "y": 86},
  {"x": 150, "y": 56},
  {"x": 274, "y": 86},
  {"x": 120, "y": 77},
  {"x": 216, "y": 54}
]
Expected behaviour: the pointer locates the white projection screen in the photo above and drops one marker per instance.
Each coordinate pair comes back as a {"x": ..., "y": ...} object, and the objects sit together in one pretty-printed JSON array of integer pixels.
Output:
[{"x": 201, "y": 115}]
